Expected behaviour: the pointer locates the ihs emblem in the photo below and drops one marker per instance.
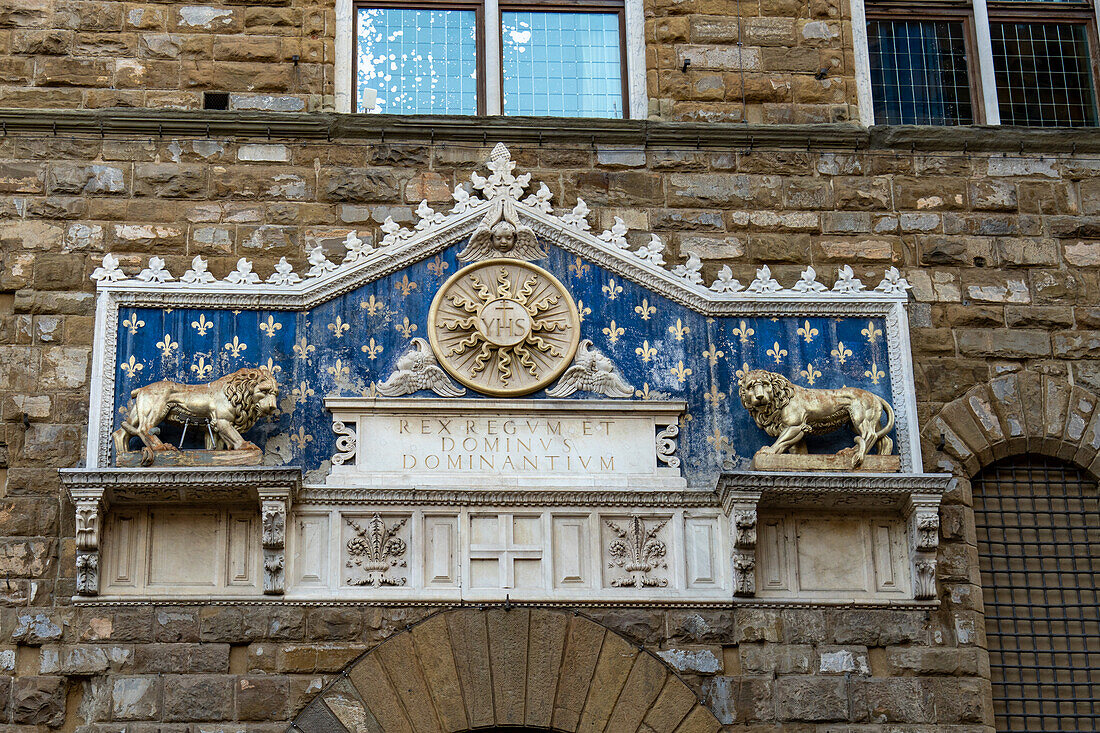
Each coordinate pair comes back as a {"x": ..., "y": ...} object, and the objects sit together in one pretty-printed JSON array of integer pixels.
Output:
[{"x": 503, "y": 327}]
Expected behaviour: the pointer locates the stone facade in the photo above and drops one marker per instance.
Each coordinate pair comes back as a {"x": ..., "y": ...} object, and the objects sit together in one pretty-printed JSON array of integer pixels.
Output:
[{"x": 999, "y": 234}]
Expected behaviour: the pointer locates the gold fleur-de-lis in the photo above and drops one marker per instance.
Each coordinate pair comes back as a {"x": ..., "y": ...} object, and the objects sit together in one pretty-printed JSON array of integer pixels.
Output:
[
  {"x": 371, "y": 390},
  {"x": 235, "y": 347},
  {"x": 679, "y": 330},
  {"x": 646, "y": 394},
  {"x": 874, "y": 373},
  {"x": 646, "y": 351},
  {"x": 270, "y": 326},
  {"x": 810, "y": 374},
  {"x": 714, "y": 396},
  {"x": 303, "y": 348},
  {"x": 612, "y": 289},
  {"x": 202, "y": 325},
  {"x": 871, "y": 332},
  {"x": 302, "y": 392},
  {"x": 841, "y": 352},
  {"x": 405, "y": 285},
  {"x": 201, "y": 368},
  {"x": 405, "y": 328},
  {"x": 744, "y": 332},
  {"x": 680, "y": 372},
  {"x": 338, "y": 327},
  {"x": 301, "y": 438},
  {"x": 339, "y": 370},
  {"x": 437, "y": 266},
  {"x": 372, "y": 350},
  {"x": 271, "y": 366},
  {"x": 582, "y": 311},
  {"x": 776, "y": 352},
  {"x": 131, "y": 367},
  {"x": 133, "y": 323},
  {"x": 807, "y": 332},
  {"x": 686, "y": 418},
  {"x": 167, "y": 345},
  {"x": 645, "y": 310},
  {"x": 713, "y": 354},
  {"x": 613, "y": 332},
  {"x": 720, "y": 443},
  {"x": 742, "y": 371},
  {"x": 578, "y": 267},
  {"x": 372, "y": 305}
]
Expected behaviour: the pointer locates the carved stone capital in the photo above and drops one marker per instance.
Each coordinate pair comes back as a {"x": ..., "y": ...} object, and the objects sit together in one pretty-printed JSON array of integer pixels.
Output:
[
  {"x": 89, "y": 507},
  {"x": 923, "y": 517},
  {"x": 742, "y": 509},
  {"x": 274, "y": 506}
]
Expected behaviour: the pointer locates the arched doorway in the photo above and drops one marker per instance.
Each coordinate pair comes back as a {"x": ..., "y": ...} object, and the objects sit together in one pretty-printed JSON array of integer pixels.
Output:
[
  {"x": 506, "y": 669},
  {"x": 1038, "y": 533}
]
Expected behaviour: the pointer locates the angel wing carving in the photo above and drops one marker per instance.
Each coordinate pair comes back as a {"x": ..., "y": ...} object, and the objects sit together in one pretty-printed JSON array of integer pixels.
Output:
[
  {"x": 501, "y": 235},
  {"x": 592, "y": 371},
  {"x": 417, "y": 369}
]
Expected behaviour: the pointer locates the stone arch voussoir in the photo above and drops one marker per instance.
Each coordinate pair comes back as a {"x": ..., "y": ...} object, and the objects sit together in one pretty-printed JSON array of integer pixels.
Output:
[
  {"x": 468, "y": 668},
  {"x": 1017, "y": 413}
]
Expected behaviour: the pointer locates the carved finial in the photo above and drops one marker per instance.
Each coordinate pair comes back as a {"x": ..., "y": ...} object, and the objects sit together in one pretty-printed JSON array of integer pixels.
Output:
[
  {"x": 654, "y": 252},
  {"x": 846, "y": 281},
  {"x": 155, "y": 272},
  {"x": 690, "y": 270},
  {"x": 109, "y": 272},
  {"x": 284, "y": 274},
  {"x": 808, "y": 282},
  {"x": 198, "y": 274},
  {"x": 725, "y": 282},
  {"x": 893, "y": 283},
  {"x": 764, "y": 282},
  {"x": 243, "y": 275}
]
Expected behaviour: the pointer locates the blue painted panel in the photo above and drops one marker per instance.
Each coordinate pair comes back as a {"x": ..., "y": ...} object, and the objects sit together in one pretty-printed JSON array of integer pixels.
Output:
[{"x": 348, "y": 344}]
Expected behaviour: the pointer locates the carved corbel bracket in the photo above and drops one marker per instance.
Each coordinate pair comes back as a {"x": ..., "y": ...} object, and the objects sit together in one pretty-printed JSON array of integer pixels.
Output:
[
  {"x": 274, "y": 507},
  {"x": 90, "y": 509},
  {"x": 923, "y": 519},
  {"x": 741, "y": 507}
]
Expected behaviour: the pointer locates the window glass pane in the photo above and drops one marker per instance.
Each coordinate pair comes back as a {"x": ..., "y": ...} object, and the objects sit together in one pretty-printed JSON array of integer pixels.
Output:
[
  {"x": 413, "y": 61},
  {"x": 562, "y": 64},
  {"x": 919, "y": 73},
  {"x": 1043, "y": 75}
]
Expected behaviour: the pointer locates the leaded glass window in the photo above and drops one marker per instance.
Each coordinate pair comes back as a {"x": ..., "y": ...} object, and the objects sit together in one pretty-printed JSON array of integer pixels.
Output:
[{"x": 918, "y": 72}]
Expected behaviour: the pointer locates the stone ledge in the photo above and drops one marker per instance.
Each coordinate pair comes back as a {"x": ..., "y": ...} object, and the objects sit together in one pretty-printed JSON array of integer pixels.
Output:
[{"x": 537, "y": 130}]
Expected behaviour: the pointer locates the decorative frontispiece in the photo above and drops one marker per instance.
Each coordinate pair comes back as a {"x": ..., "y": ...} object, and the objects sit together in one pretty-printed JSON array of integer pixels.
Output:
[{"x": 498, "y": 402}]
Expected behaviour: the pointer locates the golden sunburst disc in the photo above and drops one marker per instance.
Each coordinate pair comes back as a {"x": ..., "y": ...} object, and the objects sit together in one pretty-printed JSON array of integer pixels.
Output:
[{"x": 504, "y": 327}]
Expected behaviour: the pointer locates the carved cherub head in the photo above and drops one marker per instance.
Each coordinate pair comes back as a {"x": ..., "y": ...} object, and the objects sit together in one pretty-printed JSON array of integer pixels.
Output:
[{"x": 504, "y": 237}]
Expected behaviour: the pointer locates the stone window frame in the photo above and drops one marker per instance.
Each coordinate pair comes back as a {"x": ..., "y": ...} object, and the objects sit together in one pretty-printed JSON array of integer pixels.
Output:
[
  {"x": 976, "y": 16},
  {"x": 490, "y": 101}
]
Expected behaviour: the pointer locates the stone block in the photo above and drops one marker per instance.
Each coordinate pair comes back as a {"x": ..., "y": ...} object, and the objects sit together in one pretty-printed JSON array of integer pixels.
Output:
[
  {"x": 194, "y": 698},
  {"x": 643, "y": 685},
  {"x": 582, "y": 649},
  {"x": 1005, "y": 343},
  {"x": 811, "y": 698},
  {"x": 671, "y": 706},
  {"x": 705, "y": 627},
  {"x": 38, "y": 700},
  {"x": 398, "y": 659},
  {"x": 776, "y": 659},
  {"x": 135, "y": 698},
  {"x": 893, "y": 700},
  {"x": 612, "y": 669},
  {"x": 260, "y": 697},
  {"x": 68, "y": 71},
  {"x": 433, "y": 650},
  {"x": 703, "y": 661}
]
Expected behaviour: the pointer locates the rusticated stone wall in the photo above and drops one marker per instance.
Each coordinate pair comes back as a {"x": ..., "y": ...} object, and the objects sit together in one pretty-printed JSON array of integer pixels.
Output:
[
  {"x": 116, "y": 53},
  {"x": 1003, "y": 251},
  {"x": 83, "y": 54}
]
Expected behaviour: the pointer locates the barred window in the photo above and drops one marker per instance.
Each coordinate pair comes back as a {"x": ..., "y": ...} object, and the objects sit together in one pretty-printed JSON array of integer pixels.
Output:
[
  {"x": 918, "y": 72},
  {"x": 1038, "y": 531},
  {"x": 1033, "y": 62}
]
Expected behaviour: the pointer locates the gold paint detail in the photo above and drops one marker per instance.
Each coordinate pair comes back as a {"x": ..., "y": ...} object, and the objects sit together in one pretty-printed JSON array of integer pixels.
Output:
[{"x": 504, "y": 327}]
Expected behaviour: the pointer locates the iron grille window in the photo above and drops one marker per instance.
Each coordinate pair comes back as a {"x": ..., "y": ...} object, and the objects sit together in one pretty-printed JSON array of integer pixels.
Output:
[
  {"x": 929, "y": 62},
  {"x": 564, "y": 58},
  {"x": 1043, "y": 74},
  {"x": 1038, "y": 531},
  {"x": 918, "y": 72}
]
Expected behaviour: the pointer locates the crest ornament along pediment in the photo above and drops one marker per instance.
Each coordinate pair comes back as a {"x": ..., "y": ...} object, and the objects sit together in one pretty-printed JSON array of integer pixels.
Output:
[{"x": 504, "y": 327}]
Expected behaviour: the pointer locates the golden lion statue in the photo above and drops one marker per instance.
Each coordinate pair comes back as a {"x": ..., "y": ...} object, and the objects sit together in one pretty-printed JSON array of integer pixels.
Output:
[
  {"x": 229, "y": 406},
  {"x": 788, "y": 413}
]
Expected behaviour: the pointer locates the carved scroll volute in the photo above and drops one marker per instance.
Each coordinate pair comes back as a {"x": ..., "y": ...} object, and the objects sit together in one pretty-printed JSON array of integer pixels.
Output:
[
  {"x": 742, "y": 508},
  {"x": 89, "y": 508},
  {"x": 924, "y": 541},
  {"x": 273, "y": 513}
]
